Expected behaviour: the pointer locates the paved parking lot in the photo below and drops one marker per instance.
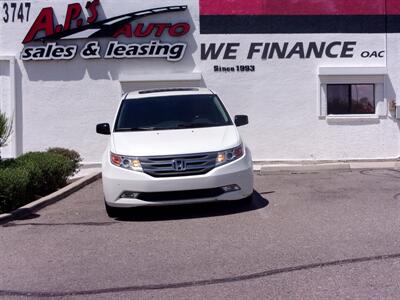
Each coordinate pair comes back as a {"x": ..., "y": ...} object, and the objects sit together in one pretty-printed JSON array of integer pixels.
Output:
[{"x": 327, "y": 235}]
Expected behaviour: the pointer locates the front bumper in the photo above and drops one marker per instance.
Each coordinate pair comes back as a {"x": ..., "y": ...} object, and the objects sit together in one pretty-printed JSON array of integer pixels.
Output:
[{"x": 117, "y": 180}]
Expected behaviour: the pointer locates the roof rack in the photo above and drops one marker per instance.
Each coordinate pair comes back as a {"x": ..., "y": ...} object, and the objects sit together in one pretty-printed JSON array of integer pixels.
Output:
[{"x": 168, "y": 90}]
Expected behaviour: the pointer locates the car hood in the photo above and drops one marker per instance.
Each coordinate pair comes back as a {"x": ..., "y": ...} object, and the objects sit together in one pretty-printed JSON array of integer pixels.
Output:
[{"x": 178, "y": 141}]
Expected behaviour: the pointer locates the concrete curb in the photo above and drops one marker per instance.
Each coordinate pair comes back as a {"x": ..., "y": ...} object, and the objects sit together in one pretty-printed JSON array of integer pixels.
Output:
[
  {"x": 49, "y": 199},
  {"x": 276, "y": 169},
  {"x": 306, "y": 168},
  {"x": 375, "y": 165}
]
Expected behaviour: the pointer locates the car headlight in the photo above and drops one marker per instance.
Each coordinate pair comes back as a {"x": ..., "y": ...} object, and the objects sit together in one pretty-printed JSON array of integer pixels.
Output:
[
  {"x": 126, "y": 162},
  {"x": 229, "y": 155}
]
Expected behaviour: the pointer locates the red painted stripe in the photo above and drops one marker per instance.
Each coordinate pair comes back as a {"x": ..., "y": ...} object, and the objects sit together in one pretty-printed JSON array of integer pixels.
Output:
[
  {"x": 297, "y": 7},
  {"x": 393, "y": 7}
]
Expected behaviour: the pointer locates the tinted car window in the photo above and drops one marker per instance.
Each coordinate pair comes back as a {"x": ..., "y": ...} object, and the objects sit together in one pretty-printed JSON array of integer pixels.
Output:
[{"x": 171, "y": 112}]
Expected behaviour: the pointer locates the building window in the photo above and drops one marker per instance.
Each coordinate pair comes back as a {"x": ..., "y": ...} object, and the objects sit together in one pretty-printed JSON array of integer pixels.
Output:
[{"x": 350, "y": 99}]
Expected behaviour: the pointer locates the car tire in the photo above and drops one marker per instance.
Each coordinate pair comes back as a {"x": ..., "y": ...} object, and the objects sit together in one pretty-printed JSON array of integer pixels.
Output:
[{"x": 112, "y": 212}]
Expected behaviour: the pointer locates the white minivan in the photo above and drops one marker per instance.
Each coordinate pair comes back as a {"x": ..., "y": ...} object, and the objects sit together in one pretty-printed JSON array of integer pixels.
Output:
[{"x": 174, "y": 146}]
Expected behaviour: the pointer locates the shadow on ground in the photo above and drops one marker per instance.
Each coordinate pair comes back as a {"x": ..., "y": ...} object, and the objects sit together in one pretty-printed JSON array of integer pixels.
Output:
[
  {"x": 29, "y": 216},
  {"x": 203, "y": 210}
]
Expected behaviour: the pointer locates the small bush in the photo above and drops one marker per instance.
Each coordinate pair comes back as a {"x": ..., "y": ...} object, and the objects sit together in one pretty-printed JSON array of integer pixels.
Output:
[
  {"x": 7, "y": 163},
  {"x": 35, "y": 174},
  {"x": 14, "y": 188},
  {"x": 72, "y": 155},
  {"x": 48, "y": 171}
]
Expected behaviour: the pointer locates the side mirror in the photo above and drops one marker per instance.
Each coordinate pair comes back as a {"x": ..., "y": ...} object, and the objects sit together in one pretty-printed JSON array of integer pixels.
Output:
[
  {"x": 103, "y": 128},
  {"x": 241, "y": 120}
]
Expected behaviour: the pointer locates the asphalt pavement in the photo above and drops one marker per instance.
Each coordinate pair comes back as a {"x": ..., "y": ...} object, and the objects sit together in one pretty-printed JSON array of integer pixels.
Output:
[{"x": 322, "y": 235}]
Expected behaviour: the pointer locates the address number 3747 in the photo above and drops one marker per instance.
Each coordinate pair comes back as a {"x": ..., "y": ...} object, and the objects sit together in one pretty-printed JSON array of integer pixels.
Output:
[{"x": 15, "y": 11}]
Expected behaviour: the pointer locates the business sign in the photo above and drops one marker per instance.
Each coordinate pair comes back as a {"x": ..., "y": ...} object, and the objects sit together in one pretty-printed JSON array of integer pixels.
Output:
[
  {"x": 79, "y": 26},
  {"x": 338, "y": 21}
]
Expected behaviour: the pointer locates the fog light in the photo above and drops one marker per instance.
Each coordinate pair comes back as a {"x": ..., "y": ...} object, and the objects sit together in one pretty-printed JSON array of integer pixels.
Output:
[
  {"x": 231, "y": 188},
  {"x": 129, "y": 195}
]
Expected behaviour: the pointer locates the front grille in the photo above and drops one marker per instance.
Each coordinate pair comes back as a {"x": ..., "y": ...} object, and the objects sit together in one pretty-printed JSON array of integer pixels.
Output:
[
  {"x": 180, "y": 195},
  {"x": 178, "y": 165}
]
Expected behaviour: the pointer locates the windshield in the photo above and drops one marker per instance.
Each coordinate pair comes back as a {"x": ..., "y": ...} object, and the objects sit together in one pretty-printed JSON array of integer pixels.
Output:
[{"x": 171, "y": 112}]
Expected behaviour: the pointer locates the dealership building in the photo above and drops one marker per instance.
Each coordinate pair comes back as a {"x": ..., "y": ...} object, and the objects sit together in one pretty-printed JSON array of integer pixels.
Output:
[{"x": 318, "y": 79}]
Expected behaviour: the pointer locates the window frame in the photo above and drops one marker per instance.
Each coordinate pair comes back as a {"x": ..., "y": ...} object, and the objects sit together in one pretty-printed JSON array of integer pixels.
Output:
[{"x": 379, "y": 82}]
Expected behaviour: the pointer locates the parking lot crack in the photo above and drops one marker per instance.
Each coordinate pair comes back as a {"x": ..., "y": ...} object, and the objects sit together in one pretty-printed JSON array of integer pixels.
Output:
[{"x": 198, "y": 283}]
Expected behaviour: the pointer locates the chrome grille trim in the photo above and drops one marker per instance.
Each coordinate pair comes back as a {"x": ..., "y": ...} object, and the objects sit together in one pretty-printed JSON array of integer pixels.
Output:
[{"x": 163, "y": 166}]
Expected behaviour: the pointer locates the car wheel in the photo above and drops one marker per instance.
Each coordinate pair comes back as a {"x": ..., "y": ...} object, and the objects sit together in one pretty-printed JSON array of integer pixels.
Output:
[{"x": 112, "y": 212}]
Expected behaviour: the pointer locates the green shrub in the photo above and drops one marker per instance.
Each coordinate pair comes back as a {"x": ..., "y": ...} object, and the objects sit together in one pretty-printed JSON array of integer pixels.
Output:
[
  {"x": 72, "y": 155},
  {"x": 34, "y": 174},
  {"x": 7, "y": 163},
  {"x": 47, "y": 171},
  {"x": 14, "y": 189}
]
